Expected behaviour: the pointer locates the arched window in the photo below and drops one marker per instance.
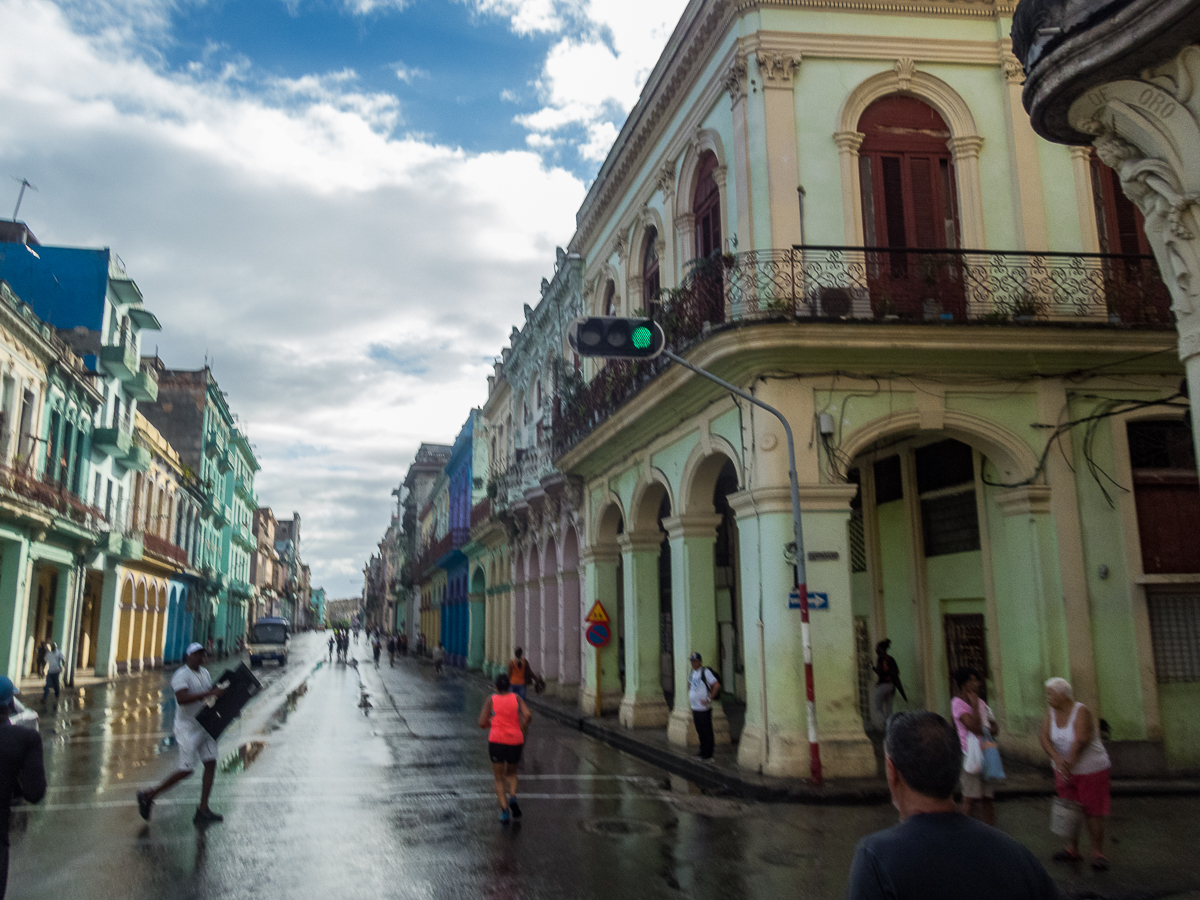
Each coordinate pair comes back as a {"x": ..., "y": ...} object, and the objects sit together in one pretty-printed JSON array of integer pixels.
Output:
[
  {"x": 650, "y": 281},
  {"x": 706, "y": 204},
  {"x": 610, "y": 299},
  {"x": 907, "y": 175}
]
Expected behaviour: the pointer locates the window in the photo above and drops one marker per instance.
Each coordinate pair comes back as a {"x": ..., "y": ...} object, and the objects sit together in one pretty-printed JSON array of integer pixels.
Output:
[
  {"x": 650, "y": 280},
  {"x": 946, "y": 483},
  {"x": 907, "y": 176},
  {"x": 1118, "y": 222},
  {"x": 1175, "y": 635},
  {"x": 706, "y": 205},
  {"x": 1166, "y": 492},
  {"x": 889, "y": 485},
  {"x": 610, "y": 301}
]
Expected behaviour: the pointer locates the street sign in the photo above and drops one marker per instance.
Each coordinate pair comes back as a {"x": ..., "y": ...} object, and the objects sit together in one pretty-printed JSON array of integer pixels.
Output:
[
  {"x": 815, "y": 600},
  {"x": 597, "y": 614},
  {"x": 598, "y": 635}
]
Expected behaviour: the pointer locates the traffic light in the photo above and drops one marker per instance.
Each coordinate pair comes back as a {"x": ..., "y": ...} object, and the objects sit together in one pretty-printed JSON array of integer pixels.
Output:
[{"x": 616, "y": 337}]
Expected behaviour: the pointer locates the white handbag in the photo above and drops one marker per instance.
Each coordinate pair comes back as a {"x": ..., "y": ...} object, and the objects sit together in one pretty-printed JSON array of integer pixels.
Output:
[{"x": 973, "y": 759}]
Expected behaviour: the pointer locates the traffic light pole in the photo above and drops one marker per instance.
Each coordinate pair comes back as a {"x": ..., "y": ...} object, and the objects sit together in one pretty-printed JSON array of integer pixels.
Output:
[{"x": 799, "y": 575}]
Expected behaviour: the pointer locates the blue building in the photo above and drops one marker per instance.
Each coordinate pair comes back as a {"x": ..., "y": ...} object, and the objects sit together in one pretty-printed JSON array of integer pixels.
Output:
[{"x": 456, "y": 624}]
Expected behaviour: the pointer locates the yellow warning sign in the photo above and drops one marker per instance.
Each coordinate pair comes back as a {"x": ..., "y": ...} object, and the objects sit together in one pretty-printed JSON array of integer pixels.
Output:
[{"x": 597, "y": 614}]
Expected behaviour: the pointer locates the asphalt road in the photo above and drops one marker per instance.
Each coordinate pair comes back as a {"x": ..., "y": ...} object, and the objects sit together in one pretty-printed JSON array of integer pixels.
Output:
[{"x": 345, "y": 781}]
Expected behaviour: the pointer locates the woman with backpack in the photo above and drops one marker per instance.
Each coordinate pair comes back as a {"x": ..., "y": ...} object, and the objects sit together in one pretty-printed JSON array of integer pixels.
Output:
[{"x": 506, "y": 719}]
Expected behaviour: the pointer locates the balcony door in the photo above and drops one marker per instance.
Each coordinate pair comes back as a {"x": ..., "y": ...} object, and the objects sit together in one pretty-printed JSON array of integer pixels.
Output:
[{"x": 910, "y": 207}]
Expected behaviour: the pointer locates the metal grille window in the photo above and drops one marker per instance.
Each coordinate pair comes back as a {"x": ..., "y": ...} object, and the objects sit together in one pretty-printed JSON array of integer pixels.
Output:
[
  {"x": 862, "y": 653},
  {"x": 1175, "y": 634},
  {"x": 858, "y": 543},
  {"x": 950, "y": 524}
]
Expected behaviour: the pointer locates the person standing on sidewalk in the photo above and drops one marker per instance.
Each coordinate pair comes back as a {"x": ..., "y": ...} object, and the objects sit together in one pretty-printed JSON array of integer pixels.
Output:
[
  {"x": 520, "y": 673},
  {"x": 937, "y": 853},
  {"x": 54, "y": 666},
  {"x": 507, "y": 718},
  {"x": 1070, "y": 736},
  {"x": 971, "y": 716},
  {"x": 887, "y": 683},
  {"x": 391, "y": 650},
  {"x": 332, "y": 641},
  {"x": 22, "y": 769},
  {"x": 703, "y": 688},
  {"x": 192, "y": 686},
  {"x": 376, "y": 649}
]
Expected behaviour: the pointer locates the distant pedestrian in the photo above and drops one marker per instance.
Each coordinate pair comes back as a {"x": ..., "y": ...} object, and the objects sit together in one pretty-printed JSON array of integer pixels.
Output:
[
  {"x": 887, "y": 681},
  {"x": 391, "y": 650},
  {"x": 404, "y": 645},
  {"x": 332, "y": 642},
  {"x": 192, "y": 686},
  {"x": 520, "y": 673},
  {"x": 376, "y": 649},
  {"x": 439, "y": 658},
  {"x": 55, "y": 661},
  {"x": 507, "y": 718},
  {"x": 1082, "y": 770},
  {"x": 703, "y": 688},
  {"x": 43, "y": 648},
  {"x": 971, "y": 716},
  {"x": 22, "y": 769},
  {"x": 937, "y": 853}
]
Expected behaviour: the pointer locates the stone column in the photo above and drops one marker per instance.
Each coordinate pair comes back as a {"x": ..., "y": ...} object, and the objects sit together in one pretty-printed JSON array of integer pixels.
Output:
[
  {"x": 694, "y": 617},
  {"x": 475, "y": 636},
  {"x": 1148, "y": 130},
  {"x": 570, "y": 616},
  {"x": 12, "y": 588},
  {"x": 110, "y": 623},
  {"x": 777, "y": 71},
  {"x": 1026, "y": 168},
  {"x": 600, "y": 580},
  {"x": 643, "y": 705},
  {"x": 64, "y": 608},
  {"x": 735, "y": 84},
  {"x": 549, "y": 635},
  {"x": 848, "y": 143},
  {"x": 764, "y": 517},
  {"x": 517, "y": 633}
]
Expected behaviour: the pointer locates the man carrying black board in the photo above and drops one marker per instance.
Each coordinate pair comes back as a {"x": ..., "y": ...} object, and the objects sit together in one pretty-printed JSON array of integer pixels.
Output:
[{"x": 192, "y": 686}]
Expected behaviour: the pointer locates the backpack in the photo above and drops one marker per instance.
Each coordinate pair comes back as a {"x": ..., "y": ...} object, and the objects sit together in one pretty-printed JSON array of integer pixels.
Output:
[{"x": 713, "y": 673}]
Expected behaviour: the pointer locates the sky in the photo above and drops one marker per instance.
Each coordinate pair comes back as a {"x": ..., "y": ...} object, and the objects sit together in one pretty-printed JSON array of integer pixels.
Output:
[{"x": 342, "y": 204}]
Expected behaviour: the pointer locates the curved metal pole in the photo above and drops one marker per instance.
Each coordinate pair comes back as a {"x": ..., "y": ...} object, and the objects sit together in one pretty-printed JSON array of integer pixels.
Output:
[{"x": 800, "y": 576}]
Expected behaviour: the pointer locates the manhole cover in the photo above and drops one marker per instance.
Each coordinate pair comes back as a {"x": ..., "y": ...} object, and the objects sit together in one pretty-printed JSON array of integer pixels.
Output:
[{"x": 620, "y": 827}]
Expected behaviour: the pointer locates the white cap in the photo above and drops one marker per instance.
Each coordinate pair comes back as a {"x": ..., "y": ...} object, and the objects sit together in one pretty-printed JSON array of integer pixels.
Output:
[{"x": 193, "y": 647}]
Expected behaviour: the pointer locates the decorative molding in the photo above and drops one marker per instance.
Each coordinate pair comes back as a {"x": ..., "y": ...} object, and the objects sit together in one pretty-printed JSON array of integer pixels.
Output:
[
  {"x": 905, "y": 68},
  {"x": 777, "y": 69},
  {"x": 965, "y": 147},
  {"x": 1014, "y": 72},
  {"x": 735, "y": 80},
  {"x": 974, "y": 9},
  {"x": 666, "y": 181},
  {"x": 848, "y": 141},
  {"x": 621, "y": 245},
  {"x": 1030, "y": 500}
]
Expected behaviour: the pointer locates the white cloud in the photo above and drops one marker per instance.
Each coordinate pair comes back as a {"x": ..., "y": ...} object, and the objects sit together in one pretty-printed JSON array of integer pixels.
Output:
[
  {"x": 283, "y": 228},
  {"x": 509, "y": 96},
  {"x": 409, "y": 74},
  {"x": 595, "y": 70}
]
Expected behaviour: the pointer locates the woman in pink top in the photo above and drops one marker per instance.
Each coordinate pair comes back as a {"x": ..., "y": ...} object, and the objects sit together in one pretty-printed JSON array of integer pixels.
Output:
[
  {"x": 506, "y": 717},
  {"x": 972, "y": 715}
]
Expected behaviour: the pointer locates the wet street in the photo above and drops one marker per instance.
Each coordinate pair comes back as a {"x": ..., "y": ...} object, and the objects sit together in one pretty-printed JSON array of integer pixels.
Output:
[{"x": 352, "y": 781}]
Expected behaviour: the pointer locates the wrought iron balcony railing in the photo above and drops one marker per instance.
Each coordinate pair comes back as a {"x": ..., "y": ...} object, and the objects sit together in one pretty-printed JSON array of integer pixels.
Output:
[{"x": 867, "y": 284}]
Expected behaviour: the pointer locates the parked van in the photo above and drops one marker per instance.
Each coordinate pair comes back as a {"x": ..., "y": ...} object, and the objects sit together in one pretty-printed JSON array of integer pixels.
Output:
[{"x": 269, "y": 638}]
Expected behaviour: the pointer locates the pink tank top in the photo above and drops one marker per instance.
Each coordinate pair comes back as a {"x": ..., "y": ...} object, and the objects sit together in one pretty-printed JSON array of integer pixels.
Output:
[{"x": 506, "y": 720}]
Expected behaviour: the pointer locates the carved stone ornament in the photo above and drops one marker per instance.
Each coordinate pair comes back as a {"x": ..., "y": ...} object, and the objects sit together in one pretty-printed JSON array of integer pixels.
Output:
[
  {"x": 1148, "y": 131},
  {"x": 777, "y": 68},
  {"x": 1014, "y": 72},
  {"x": 735, "y": 80},
  {"x": 905, "y": 68},
  {"x": 666, "y": 180},
  {"x": 621, "y": 245}
]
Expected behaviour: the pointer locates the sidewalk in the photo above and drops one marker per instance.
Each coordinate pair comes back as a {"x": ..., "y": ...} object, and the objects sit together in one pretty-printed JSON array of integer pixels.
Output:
[{"x": 723, "y": 776}]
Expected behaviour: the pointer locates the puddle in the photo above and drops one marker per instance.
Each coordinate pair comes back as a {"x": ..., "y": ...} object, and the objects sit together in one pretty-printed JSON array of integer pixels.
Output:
[
  {"x": 619, "y": 828},
  {"x": 243, "y": 757},
  {"x": 279, "y": 717}
]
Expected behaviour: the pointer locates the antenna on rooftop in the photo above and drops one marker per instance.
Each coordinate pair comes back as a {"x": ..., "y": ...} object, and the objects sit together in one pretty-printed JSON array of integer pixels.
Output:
[{"x": 21, "y": 196}]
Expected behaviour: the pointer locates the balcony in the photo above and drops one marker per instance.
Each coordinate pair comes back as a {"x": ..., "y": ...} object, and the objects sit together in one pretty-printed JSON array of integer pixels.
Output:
[
  {"x": 244, "y": 490},
  {"x": 928, "y": 288},
  {"x": 225, "y": 460},
  {"x": 138, "y": 457},
  {"x": 214, "y": 444},
  {"x": 113, "y": 441},
  {"x": 121, "y": 359},
  {"x": 143, "y": 386},
  {"x": 54, "y": 497},
  {"x": 481, "y": 511},
  {"x": 119, "y": 545},
  {"x": 164, "y": 550}
]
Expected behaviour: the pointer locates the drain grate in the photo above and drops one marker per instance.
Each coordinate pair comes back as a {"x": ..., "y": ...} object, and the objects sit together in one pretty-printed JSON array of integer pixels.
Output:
[{"x": 619, "y": 827}]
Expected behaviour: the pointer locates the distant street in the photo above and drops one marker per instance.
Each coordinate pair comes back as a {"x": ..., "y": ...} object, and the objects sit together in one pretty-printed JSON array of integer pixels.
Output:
[{"x": 375, "y": 784}]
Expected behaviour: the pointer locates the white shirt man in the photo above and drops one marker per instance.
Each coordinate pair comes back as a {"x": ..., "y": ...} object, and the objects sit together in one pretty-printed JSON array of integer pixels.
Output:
[
  {"x": 192, "y": 685},
  {"x": 54, "y": 667},
  {"x": 703, "y": 688}
]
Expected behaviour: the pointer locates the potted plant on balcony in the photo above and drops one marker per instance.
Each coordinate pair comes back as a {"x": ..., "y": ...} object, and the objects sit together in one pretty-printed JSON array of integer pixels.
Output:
[{"x": 1027, "y": 307}]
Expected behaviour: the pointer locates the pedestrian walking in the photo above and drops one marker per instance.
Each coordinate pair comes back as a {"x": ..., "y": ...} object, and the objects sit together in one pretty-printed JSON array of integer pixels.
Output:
[
  {"x": 887, "y": 681},
  {"x": 22, "y": 768},
  {"x": 391, "y": 651},
  {"x": 43, "y": 648},
  {"x": 506, "y": 719},
  {"x": 936, "y": 852},
  {"x": 404, "y": 645},
  {"x": 332, "y": 642},
  {"x": 439, "y": 658},
  {"x": 192, "y": 686},
  {"x": 1082, "y": 770},
  {"x": 55, "y": 661},
  {"x": 520, "y": 673},
  {"x": 971, "y": 717},
  {"x": 376, "y": 649},
  {"x": 703, "y": 688}
]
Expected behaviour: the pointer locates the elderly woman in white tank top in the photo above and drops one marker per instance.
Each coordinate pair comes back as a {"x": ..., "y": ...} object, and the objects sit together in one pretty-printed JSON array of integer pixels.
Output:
[{"x": 1071, "y": 738}]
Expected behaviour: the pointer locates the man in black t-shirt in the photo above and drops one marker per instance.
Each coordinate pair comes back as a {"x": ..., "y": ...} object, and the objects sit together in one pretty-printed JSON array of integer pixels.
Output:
[
  {"x": 936, "y": 853},
  {"x": 22, "y": 769}
]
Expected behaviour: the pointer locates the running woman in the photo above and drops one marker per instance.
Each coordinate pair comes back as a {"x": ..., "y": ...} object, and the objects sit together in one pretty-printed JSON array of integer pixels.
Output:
[{"x": 507, "y": 718}]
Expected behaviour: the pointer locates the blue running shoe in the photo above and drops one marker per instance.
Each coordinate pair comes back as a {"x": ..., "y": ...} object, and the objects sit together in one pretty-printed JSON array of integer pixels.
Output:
[{"x": 504, "y": 816}]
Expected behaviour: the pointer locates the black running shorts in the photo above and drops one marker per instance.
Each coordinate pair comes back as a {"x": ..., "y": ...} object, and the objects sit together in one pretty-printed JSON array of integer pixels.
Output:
[{"x": 504, "y": 753}]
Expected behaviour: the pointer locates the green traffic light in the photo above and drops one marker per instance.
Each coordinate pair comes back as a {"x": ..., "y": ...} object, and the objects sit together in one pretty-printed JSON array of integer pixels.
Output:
[{"x": 643, "y": 337}]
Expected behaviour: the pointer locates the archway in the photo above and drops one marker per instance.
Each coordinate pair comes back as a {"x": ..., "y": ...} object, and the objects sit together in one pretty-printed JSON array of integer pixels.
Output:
[
  {"x": 477, "y": 617},
  {"x": 572, "y": 615},
  {"x": 125, "y": 628},
  {"x": 606, "y": 666},
  {"x": 551, "y": 613},
  {"x": 533, "y": 609},
  {"x": 517, "y": 636}
]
